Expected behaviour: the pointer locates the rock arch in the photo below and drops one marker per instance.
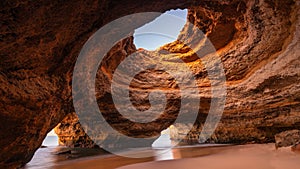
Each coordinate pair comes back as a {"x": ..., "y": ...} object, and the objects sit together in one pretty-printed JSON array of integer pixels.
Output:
[{"x": 257, "y": 41}]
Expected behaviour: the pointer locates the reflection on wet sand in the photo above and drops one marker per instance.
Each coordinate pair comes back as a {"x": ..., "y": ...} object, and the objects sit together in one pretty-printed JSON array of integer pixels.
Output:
[
  {"x": 113, "y": 161},
  {"x": 63, "y": 157},
  {"x": 247, "y": 157},
  {"x": 188, "y": 152},
  {"x": 263, "y": 156}
]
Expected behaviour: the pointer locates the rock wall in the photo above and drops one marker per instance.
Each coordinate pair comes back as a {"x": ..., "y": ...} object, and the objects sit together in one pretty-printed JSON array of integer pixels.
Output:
[
  {"x": 71, "y": 133},
  {"x": 40, "y": 41},
  {"x": 69, "y": 130},
  {"x": 261, "y": 72},
  {"x": 257, "y": 41},
  {"x": 261, "y": 65}
]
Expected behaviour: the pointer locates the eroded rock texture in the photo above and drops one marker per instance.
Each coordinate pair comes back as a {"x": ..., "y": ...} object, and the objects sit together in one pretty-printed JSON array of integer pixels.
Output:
[
  {"x": 71, "y": 133},
  {"x": 287, "y": 138},
  {"x": 257, "y": 41},
  {"x": 261, "y": 64},
  {"x": 40, "y": 42}
]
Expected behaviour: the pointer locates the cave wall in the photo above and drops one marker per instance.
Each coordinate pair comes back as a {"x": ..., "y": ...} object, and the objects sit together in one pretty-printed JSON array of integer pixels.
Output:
[
  {"x": 40, "y": 41},
  {"x": 261, "y": 71},
  {"x": 69, "y": 130},
  {"x": 261, "y": 65}
]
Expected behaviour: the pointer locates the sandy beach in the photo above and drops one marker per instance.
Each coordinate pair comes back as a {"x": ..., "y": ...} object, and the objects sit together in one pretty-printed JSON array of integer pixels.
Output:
[{"x": 263, "y": 156}]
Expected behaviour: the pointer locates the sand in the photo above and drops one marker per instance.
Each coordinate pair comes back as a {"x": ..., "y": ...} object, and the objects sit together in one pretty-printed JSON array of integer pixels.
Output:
[{"x": 263, "y": 156}]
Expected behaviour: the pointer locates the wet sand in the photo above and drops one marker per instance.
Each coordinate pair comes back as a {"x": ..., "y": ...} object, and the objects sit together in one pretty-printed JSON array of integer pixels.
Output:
[
  {"x": 110, "y": 161},
  {"x": 238, "y": 157},
  {"x": 224, "y": 157}
]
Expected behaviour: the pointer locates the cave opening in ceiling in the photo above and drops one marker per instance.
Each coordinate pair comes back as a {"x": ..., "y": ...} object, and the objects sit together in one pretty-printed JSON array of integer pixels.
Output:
[{"x": 147, "y": 36}]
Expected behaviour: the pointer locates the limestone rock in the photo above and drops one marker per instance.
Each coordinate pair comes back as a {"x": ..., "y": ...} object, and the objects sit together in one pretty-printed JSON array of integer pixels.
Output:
[
  {"x": 257, "y": 41},
  {"x": 40, "y": 42},
  {"x": 71, "y": 133},
  {"x": 288, "y": 138},
  {"x": 262, "y": 79}
]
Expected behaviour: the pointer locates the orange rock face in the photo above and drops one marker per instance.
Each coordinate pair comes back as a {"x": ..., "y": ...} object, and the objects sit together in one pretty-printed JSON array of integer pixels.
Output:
[
  {"x": 287, "y": 138},
  {"x": 260, "y": 65},
  {"x": 257, "y": 42}
]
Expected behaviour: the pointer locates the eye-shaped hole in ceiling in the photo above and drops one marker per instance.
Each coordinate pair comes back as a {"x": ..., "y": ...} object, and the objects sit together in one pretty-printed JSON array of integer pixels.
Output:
[{"x": 161, "y": 31}]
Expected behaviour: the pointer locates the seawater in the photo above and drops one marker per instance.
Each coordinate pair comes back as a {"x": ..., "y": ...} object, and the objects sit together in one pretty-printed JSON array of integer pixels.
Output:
[{"x": 52, "y": 154}]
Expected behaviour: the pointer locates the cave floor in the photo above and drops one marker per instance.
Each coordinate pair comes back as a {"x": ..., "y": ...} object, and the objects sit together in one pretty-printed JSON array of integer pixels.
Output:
[{"x": 263, "y": 156}]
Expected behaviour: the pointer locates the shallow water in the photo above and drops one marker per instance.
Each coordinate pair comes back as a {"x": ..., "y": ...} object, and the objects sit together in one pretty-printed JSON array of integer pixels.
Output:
[
  {"x": 263, "y": 156},
  {"x": 210, "y": 156},
  {"x": 48, "y": 157},
  {"x": 192, "y": 157},
  {"x": 62, "y": 157},
  {"x": 53, "y": 155}
]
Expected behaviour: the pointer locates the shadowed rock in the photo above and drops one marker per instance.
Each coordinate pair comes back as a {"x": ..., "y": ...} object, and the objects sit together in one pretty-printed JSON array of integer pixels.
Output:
[{"x": 257, "y": 41}]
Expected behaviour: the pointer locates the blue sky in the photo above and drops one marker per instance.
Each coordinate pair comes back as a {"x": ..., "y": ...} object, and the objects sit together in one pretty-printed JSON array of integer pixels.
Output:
[{"x": 162, "y": 30}]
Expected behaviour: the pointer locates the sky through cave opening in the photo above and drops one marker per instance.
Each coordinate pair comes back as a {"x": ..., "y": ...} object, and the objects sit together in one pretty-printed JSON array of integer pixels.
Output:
[
  {"x": 51, "y": 139},
  {"x": 163, "y": 30}
]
